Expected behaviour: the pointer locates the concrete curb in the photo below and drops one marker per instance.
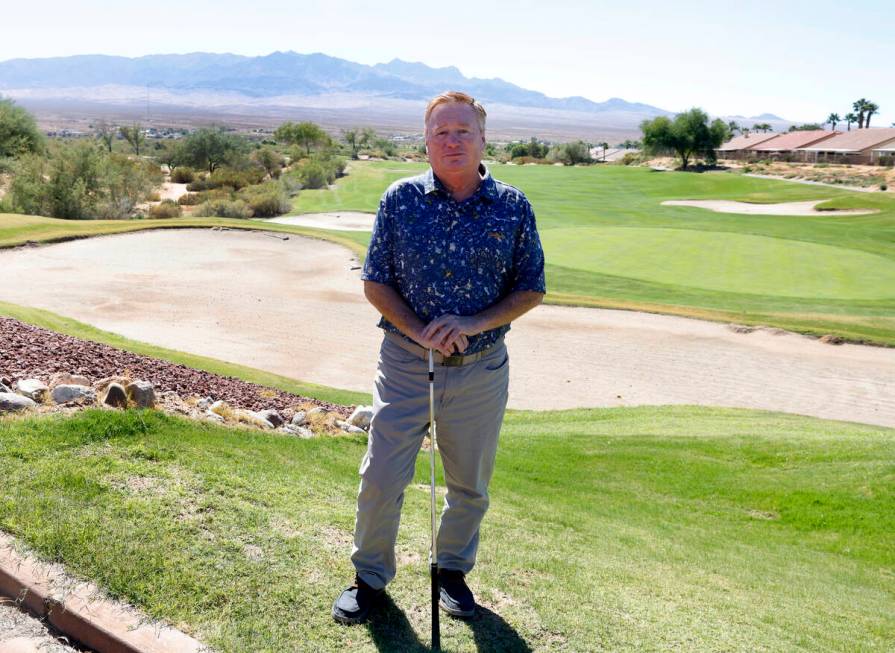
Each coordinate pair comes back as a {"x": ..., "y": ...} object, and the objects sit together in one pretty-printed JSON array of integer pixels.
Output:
[{"x": 78, "y": 611}]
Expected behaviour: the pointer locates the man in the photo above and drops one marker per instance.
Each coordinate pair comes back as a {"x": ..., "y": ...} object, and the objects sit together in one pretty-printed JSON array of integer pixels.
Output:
[{"x": 454, "y": 258}]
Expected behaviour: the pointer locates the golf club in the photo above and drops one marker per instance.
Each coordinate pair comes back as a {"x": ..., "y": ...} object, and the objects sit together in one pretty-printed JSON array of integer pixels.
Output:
[{"x": 433, "y": 552}]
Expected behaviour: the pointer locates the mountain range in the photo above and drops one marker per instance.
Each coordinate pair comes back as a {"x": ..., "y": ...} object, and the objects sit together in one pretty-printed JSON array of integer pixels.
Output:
[{"x": 283, "y": 74}]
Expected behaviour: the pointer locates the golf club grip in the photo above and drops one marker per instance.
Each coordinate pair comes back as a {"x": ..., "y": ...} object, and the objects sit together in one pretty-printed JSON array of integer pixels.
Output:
[{"x": 436, "y": 630}]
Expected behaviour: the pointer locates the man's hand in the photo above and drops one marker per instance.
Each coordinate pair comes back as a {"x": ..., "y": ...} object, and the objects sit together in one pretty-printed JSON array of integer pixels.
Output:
[{"x": 449, "y": 332}]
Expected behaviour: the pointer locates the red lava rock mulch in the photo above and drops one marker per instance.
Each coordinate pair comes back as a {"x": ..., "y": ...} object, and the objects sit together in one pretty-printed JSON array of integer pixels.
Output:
[{"x": 27, "y": 351}]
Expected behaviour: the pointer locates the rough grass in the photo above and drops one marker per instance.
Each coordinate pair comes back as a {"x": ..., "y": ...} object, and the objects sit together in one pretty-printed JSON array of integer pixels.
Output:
[{"x": 619, "y": 530}]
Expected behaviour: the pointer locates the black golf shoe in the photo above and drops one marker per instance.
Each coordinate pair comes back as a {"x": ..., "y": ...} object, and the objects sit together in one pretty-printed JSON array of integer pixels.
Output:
[
  {"x": 354, "y": 603},
  {"x": 455, "y": 597}
]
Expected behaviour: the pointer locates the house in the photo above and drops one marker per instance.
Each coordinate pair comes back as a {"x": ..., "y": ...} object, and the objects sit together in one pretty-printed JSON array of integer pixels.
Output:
[
  {"x": 785, "y": 145},
  {"x": 737, "y": 148},
  {"x": 856, "y": 146}
]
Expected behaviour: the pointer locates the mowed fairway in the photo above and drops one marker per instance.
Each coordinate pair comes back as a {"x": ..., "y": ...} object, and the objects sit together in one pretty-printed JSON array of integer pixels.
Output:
[{"x": 610, "y": 242}]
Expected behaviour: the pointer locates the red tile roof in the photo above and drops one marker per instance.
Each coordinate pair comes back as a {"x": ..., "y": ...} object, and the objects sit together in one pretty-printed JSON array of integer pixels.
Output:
[
  {"x": 792, "y": 140},
  {"x": 743, "y": 141},
  {"x": 857, "y": 140}
]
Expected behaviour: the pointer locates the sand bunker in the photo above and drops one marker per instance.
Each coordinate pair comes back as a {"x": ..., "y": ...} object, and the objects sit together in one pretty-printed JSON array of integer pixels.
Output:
[
  {"x": 295, "y": 307},
  {"x": 751, "y": 208},
  {"x": 342, "y": 221}
]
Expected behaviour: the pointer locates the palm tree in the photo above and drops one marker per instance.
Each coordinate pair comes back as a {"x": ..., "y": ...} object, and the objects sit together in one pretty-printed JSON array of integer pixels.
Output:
[
  {"x": 850, "y": 119},
  {"x": 869, "y": 109},
  {"x": 858, "y": 105},
  {"x": 733, "y": 126},
  {"x": 605, "y": 147},
  {"x": 834, "y": 120}
]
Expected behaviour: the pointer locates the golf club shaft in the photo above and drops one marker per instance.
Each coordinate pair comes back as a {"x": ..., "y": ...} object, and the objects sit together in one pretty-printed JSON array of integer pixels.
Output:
[{"x": 433, "y": 551}]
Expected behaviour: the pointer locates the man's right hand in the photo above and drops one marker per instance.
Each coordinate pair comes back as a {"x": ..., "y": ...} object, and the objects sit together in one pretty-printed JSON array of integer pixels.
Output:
[{"x": 456, "y": 345}]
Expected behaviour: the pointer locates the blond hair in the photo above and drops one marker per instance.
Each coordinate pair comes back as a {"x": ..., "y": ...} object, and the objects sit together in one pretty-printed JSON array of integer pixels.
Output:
[{"x": 461, "y": 98}]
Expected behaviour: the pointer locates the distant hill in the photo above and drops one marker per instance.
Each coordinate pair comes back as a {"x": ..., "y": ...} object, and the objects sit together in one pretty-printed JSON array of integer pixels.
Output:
[{"x": 282, "y": 74}]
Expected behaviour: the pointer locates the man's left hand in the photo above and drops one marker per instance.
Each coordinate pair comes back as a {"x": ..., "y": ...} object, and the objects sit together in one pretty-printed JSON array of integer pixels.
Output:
[{"x": 447, "y": 327}]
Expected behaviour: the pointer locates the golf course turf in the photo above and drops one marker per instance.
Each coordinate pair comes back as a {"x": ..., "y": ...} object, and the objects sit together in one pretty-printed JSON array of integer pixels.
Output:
[{"x": 626, "y": 529}]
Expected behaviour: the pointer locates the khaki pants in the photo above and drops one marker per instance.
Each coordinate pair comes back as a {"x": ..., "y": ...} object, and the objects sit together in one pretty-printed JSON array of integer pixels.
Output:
[{"x": 469, "y": 405}]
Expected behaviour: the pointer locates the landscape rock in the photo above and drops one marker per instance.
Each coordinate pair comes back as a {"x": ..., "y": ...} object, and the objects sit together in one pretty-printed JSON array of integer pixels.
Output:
[
  {"x": 272, "y": 416},
  {"x": 300, "y": 431},
  {"x": 355, "y": 429},
  {"x": 102, "y": 384},
  {"x": 361, "y": 417},
  {"x": 12, "y": 402},
  {"x": 5, "y": 388},
  {"x": 142, "y": 393},
  {"x": 64, "y": 394},
  {"x": 299, "y": 419},
  {"x": 220, "y": 407},
  {"x": 34, "y": 389},
  {"x": 252, "y": 418},
  {"x": 316, "y": 411},
  {"x": 64, "y": 378},
  {"x": 213, "y": 417},
  {"x": 116, "y": 396},
  {"x": 204, "y": 403}
]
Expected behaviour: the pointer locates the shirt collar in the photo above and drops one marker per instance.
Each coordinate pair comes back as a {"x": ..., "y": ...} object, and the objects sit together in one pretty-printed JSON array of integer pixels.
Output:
[{"x": 486, "y": 189}]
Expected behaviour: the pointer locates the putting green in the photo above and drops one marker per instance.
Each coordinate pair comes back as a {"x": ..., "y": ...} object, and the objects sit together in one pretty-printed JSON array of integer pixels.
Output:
[{"x": 725, "y": 261}]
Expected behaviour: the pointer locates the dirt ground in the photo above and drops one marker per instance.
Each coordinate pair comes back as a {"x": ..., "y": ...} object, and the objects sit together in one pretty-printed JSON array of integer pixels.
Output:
[{"x": 296, "y": 308}]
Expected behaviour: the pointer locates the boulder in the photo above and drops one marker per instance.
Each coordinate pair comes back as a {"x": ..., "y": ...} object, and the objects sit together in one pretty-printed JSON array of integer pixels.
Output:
[
  {"x": 5, "y": 388},
  {"x": 142, "y": 393},
  {"x": 64, "y": 378},
  {"x": 272, "y": 416},
  {"x": 299, "y": 419},
  {"x": 204, "y": 403},
  {"x": 64, "y": 394},
  {"x": 102, "y": 384},
  {"x": 34, "y": 389},
  {"x": 116, "y": 396},
  {"x": 220, "y": 407},
  {"x": 355, "y": 429},
  {"x": 213, "y": 417},
  {"x": 361, "y": 417},
  {"x": 319, "y": 410},
  {"x": 11, "y": 402},
  {"x": 300, "y": 431},
  {"x": 252, "y": 418}
]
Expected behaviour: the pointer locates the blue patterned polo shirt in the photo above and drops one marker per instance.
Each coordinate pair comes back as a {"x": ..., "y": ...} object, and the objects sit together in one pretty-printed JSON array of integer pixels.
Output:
[{"x": 444, "y": 256}]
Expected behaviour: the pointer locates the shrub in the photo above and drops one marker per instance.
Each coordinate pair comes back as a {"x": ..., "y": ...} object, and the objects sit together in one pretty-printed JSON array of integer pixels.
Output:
[
  {"x": 631, "y": 158},
  {"x": 224, "y": 209},
  {"x": 884, "y": 186},
  {"x": 183, "y": 175},
  {"x": 154, "y": 196},
  {"x": 165, "y": 209},
  {"x": 190, "y": 199},
  {"x": 266, "y": 200}
]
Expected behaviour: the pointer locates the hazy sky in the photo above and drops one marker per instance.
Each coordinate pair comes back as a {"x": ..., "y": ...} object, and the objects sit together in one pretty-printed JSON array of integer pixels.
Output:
[{"x": 800, "y": 60}]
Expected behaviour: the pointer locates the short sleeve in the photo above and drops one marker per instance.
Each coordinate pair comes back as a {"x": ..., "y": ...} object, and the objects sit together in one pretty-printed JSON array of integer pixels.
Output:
[
  {"x": 528, "y": 257},
  {"x": 379, "y": 264}
]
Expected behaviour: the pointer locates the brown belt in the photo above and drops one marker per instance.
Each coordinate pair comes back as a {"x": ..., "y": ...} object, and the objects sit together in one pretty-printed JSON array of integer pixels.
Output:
[{"x": 448, "y": 361}]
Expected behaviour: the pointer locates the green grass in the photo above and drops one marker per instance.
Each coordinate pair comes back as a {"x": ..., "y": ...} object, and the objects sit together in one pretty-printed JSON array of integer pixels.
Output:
[
  {"x": 610, "y": 242},
  {"x": 620, "y": 530},
  {"x": 59, "y": 324}
]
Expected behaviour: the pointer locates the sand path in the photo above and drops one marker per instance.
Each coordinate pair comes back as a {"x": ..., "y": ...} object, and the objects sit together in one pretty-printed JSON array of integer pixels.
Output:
[
  {"x": 751, "y": 208},
  {"x": 296, "y": 308}
]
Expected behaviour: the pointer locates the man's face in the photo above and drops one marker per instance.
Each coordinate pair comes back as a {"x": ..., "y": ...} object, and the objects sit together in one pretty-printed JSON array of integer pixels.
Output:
[{"x": 454, "y": 140}]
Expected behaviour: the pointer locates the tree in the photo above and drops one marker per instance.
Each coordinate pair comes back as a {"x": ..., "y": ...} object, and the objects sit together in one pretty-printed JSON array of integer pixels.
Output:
[
  {"x": 807, "y": 127},
  {"x": 762, "y": 127},
  {"x": 210, "y": 147},
  {"x": 734, "y": 127},
  {"x": 860, "y": 107},
  {"x": 105, "y": 134},
  {"x": 269, "y": 159},
  {"x": 18, "y": 131},
  {"x": 834, "y": 120},
  {"x": 605, "y": 147},
  {"x": 352, "y": 137},
  {"x": 134, "y": 136},
  {"x": 303, "y": 134},
  {"x": 870, "y": 108},
  {"x": 850, "y": 119},
  {"x": 688, "y": 135}
]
